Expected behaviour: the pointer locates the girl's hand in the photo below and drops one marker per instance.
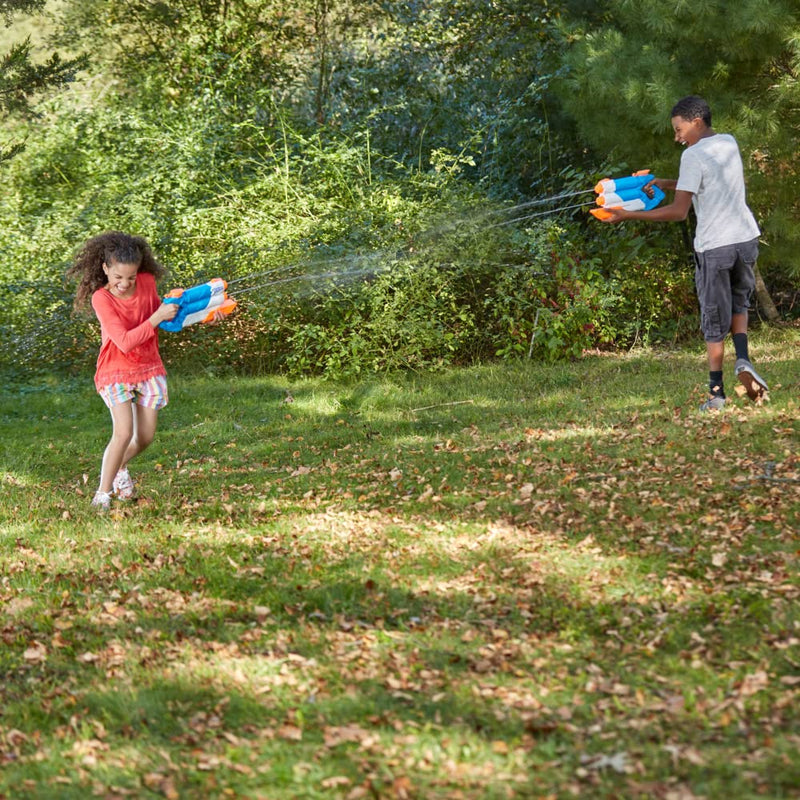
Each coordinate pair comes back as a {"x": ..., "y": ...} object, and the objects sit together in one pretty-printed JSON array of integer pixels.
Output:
[
  {"x": 217, "y": 318},
  {"x": 164, "y": 313}
]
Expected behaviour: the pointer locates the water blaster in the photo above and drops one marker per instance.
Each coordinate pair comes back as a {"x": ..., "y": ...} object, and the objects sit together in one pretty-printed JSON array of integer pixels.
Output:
[
  {"x": 627, "y": 193},
  {"x": 202, "y": 303}
]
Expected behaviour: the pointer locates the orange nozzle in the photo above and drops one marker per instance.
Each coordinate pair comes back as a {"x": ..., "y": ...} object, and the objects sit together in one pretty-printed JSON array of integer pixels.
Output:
[{"x": 599, "y": 188}]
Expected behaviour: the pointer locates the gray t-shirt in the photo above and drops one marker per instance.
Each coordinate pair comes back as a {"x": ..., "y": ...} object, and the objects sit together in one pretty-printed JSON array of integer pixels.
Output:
[{"x": 711, "y": 169}]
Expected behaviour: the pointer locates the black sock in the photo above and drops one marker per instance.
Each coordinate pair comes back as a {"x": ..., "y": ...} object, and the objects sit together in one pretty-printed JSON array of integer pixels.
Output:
[
  {"x": 740, "y": 345},
  {"x": 715, "y": 384}
]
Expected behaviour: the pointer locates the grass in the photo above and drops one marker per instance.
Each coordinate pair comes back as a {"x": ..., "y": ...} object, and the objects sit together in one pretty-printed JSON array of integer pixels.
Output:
[{"x": 506, "y": 581}]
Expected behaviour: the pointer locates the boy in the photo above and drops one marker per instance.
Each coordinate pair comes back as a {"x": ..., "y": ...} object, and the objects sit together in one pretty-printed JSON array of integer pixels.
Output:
[{"x": 726, "y": 239}]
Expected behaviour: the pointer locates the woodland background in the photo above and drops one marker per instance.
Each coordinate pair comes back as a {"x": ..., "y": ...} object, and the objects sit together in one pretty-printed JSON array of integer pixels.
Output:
[
  {"x": 368, "y": 175},
  {"x": 364, "y": 565}
]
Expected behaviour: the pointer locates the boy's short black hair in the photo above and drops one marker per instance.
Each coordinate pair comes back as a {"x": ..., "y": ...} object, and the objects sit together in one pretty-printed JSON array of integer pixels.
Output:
[{"x": 691, "y": 107}]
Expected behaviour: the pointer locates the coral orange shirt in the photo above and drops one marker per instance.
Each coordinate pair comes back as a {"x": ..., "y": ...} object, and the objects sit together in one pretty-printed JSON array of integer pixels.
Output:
[{"x": 129, "y": 349}]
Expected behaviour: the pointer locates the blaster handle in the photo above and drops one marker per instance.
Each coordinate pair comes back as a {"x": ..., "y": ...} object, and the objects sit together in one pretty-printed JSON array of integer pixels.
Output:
[{"x": 225, "y": 308}]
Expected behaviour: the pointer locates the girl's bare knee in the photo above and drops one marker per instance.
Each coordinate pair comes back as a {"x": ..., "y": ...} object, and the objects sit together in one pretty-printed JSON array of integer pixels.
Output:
[
  {"x": 143, "y": 442},
  {"x": 121, "y": 438}
]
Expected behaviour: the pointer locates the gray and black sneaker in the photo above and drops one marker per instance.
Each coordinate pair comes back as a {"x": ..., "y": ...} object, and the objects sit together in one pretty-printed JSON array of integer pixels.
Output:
[
  {"x": 755, "y": 385},
  {"x": 714, "y": 403}
]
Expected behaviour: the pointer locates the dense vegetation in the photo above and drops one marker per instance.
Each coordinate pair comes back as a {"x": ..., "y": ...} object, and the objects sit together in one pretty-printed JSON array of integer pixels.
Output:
[{"x": 369, "y": 173}]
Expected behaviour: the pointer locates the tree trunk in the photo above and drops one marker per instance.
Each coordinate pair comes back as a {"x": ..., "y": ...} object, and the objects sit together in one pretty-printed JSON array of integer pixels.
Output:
[
  {"x": 764, "y": 300},
  {"x": 321, "y": 30}
]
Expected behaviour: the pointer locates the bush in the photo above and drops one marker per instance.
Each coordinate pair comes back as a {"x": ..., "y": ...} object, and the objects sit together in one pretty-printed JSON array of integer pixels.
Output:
[{"x": 344, "y": 261}]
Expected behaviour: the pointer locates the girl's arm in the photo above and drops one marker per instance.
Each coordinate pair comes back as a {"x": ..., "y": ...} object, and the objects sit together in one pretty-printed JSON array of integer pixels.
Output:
[
  {"x": 164, "y": 313},
  {"x": 126, "y": 339},
  {"x": 122, "y": 329},
  {"x": 116, "y": 326}
]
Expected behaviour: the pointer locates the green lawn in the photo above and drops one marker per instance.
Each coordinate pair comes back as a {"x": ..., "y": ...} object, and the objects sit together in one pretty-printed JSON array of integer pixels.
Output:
[{"x": 506, "y": 581}]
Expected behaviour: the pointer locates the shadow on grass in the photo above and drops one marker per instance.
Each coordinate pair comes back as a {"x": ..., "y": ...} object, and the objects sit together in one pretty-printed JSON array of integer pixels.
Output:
[{"x": 334, "y": 672}]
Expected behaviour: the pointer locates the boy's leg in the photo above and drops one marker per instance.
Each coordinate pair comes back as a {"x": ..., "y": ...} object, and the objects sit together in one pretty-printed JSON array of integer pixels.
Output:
[
  {"x": 753, "y": 383},
  {"x": 739, "y": 335},
  {"x": 742, "y": 288},
  {"x": 713, "y": 294},
  {"x": 716, "y": 355},
  {"x": 716, "y": 390},
  {"x": 716, "y": 350}
]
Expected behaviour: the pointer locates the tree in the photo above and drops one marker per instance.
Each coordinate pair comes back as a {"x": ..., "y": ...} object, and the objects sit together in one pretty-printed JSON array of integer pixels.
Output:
[
  {"x": 20, "y": 78},
  {"x": 459, "y": 84},
  {"x": 628, "y": 65}
]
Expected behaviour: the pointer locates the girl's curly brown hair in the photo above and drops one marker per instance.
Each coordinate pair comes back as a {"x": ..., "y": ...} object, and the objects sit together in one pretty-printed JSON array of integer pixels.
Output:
[{"x": 108, "y": 247}]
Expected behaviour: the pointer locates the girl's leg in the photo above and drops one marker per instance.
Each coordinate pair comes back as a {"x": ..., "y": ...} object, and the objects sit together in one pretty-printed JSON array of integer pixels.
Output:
[
  {"x": 144, "y": 431},
  {"x": 122, "y": 417}
]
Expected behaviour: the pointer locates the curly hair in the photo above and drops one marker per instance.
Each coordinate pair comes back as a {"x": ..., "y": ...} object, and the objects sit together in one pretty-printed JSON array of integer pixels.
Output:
[
  {"x": 692, "y": 107},
  {"x": 109, "y": 247}
]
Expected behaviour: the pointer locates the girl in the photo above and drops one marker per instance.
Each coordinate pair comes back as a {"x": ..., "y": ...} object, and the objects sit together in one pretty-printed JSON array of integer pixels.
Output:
[{"x": 118, "y": 273}]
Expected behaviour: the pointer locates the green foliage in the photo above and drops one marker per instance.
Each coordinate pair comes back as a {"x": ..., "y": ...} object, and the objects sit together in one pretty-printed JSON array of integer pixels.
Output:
[
  {"x": 628, "y": 66},
  {"x": 352, "y": 169},
  {"x": 581, "y": 290},
  {"x": 10, "y": 7},
  {"x": 173, "y": 49},
  {"x": 21, "y": 78},
  {"x": 463, "y": 77},
  {"x": 405, "y": 318}
]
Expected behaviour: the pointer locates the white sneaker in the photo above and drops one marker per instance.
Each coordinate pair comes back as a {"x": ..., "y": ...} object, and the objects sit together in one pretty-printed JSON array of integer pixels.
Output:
[
  {"x": 123, "y": 485},
  {"x": 102, "y": 500}
]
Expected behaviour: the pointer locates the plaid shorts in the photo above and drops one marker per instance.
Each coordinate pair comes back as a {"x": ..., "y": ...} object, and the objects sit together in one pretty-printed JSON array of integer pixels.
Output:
[{"x": 151, "y": 393}]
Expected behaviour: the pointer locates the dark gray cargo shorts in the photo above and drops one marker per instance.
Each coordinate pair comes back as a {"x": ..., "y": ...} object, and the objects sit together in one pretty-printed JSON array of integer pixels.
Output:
[{"x": 725, "y": 281}]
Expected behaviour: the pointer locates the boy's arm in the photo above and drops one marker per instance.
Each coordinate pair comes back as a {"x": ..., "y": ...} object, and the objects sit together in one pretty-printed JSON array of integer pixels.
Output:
[
  {"x": 665, "y": 184},
  {"x": 676, "y": 211}
]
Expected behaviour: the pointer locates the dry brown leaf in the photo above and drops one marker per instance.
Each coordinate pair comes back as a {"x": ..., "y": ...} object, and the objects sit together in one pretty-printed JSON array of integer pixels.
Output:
[
  {"x": 290, "y": 732},
  {"x": 36, "y": 653}
]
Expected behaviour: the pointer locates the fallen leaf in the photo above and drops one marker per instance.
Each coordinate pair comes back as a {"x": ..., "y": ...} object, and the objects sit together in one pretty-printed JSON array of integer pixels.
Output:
[
  {"x": 290, "y": 732},
  {"x": 336, "y": 780},
  {"x": 36, "y": 653}
]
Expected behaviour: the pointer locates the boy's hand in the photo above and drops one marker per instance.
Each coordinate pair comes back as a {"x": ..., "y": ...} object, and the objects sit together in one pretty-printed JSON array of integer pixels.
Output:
[
  {"x": 613, "y": 215},
  {"x": 665, "y": 184}
]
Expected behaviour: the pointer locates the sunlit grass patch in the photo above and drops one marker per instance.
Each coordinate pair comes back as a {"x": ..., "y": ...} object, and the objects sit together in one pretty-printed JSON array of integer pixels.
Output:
[{"x": 16, "y": 479}]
